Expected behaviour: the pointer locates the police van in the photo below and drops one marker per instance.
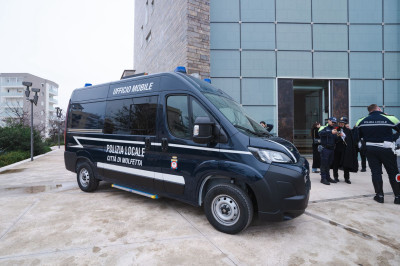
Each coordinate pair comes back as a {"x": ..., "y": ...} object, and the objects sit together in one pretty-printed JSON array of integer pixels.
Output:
[{"x": 175, "y": 136}]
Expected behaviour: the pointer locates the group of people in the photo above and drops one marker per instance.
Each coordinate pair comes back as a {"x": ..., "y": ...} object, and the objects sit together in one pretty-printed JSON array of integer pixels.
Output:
[{"x": 336, "y": 146}]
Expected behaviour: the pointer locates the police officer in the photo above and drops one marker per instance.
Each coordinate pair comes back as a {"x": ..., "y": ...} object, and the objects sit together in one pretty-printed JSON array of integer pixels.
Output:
[
  {"x": 376, "y": 129},
  {"x": 328, "y": 135}
]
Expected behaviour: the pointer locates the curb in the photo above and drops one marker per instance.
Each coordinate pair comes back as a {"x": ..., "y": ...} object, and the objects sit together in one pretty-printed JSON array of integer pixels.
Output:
[{"x": 26, "y": 160}]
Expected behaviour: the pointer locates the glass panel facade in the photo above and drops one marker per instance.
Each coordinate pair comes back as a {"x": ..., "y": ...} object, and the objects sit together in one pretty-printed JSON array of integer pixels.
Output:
[
  {"x": 365, "y": 11},
  {"x": 356, "y": 113},
  {"x": 257, "y": 10},
  {"x": 331, "y": 65},
  {"x": 392, "y": 93},
  {"x": 330, "y": 37},
  {"x": 293, "y": 37},
  {"x": 392, "y": 65},
  {"x": 366, "y": 92},
  {"x": 329, "y": 11},
  {"x": 393, "y": 111},
  {"x": 284, "y": 49},
  {"x": 258, "y": 92},
  {"x": 258, "y": 64},
  {"x": 294, "y": 64},
  {"x": 293, "y": 11},
  {"x": 229, "y": 85},
  {"x": 392, "y": 37},
  {"x": 363, "y": 38},
  {"x": 224, "y": 11},
  {"x": 391, "y": 11},
  {"x": 225, "y": 36},
  {"x": 224, "y": 63},
  {"x": 366, "y": 65},
  {"x": 258, "y": 36}
]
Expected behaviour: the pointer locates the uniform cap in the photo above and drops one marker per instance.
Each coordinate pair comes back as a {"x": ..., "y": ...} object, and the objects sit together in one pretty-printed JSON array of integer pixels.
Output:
[
  {"x": 344, "y": 119},
  {"x": 333, "y": 119}
]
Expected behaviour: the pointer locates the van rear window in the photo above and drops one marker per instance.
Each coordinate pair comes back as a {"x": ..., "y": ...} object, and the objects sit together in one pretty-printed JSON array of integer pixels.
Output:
[{"x": 134, "y": 116}]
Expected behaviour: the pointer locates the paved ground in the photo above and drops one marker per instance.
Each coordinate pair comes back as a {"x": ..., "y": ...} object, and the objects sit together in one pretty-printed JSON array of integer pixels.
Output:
[{"x": 46, "y": 220}]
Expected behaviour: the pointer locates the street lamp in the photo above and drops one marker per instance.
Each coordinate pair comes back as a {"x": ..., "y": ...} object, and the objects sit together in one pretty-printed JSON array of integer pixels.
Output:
[
  {"x": 59, "y": 113},
  {"x": 33, "y": 101}
]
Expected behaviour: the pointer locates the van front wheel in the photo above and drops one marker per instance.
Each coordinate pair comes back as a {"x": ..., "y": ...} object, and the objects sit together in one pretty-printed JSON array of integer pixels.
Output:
[
  {"x": 86, "y": 180},
  {"x": 228, "y": 208}
]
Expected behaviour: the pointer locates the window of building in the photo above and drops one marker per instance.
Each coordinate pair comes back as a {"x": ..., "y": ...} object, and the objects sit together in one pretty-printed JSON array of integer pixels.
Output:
[
  {"x": 224, "y": 11},
  {"x": 392, "y": 65},
  {"x": 135, "y": 116},
  {"x": 229, "y": 85},
  {"x": 366, "y": 65},
  {"x": 365, "y": 92},
  {"x": 225, "y": 63},
  {"x": 294, "y": 64},
  {"x": 329, "y": 11},
  {"x": 293, "y": 11},
  {"x": 225, "y": 36},
  {"x": 365, "y": 37},
  {"x": 257, "y": 10},
  {"x": 257, "y": 36},
  {"x": 293, "y": 37},
  {"x": 330, "y": 37},
  {"x": 392, "y": 93},
  {"x": 391, "y": 38},
  {"x": 258, "y": 91},
  {"x": 365, "y": 11},
  {"x": 331, "y": 64},
  {"x": 258, "y": 64},
  {"x": 391, "y": 11}
]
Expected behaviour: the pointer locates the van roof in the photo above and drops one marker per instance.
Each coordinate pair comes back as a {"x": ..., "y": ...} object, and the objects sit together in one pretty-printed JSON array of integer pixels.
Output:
[{"x": 102, "y": 90}]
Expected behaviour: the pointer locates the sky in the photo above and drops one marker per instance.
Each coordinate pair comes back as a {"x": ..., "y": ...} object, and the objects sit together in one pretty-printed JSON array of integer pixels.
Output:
[{"x": 70, "y": 42}]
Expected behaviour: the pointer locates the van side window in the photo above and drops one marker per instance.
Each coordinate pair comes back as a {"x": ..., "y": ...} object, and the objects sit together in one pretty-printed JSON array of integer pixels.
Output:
[
  {"x": 134, "y": 116},
  {"x": 178, "y": 116},
  {"x": 87, "y": 115}
]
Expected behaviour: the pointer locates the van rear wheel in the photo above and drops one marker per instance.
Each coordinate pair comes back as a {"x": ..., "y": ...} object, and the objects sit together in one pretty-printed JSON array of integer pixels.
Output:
[
  {"x": 228, "y": 208},
  {"x": 86, "y": 180}
]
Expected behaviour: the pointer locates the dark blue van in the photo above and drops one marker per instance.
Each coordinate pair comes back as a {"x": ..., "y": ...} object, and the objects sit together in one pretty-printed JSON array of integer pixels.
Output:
[{"x": 176, "y": 136}]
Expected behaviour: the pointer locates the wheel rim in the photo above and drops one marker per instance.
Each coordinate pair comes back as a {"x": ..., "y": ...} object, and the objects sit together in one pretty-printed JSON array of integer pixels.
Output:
[
  {"x": 84, "y": 177},
  {"x": 225, "y": 210}
]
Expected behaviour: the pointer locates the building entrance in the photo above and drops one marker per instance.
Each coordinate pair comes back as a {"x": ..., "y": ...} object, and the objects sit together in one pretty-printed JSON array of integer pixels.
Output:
[
  {"x": 311, "y": 104},
  {"x": 301, "y": 102}
]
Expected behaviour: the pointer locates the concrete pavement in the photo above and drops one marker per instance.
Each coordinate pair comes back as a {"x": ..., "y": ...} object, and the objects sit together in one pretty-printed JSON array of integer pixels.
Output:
[{"x": 46, "y": 220}]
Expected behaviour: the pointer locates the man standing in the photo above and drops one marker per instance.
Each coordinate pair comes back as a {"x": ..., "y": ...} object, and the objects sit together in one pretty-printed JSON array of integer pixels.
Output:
[
  {"x": 376, "y": 129},
  {"x": 328, "y": 135}
]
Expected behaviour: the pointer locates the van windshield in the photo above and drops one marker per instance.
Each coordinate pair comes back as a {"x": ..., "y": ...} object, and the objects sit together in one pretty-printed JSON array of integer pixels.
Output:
[{"x": 236, "y": 115}]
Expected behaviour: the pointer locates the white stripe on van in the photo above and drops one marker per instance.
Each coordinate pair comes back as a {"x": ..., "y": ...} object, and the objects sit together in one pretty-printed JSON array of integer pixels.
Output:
[
  {"x": 144, "y": 173},
  {"x": 158, "y": 144}
]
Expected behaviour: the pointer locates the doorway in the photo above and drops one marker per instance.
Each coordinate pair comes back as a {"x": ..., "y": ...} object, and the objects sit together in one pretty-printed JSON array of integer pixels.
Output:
[
  {"x": 311, "y": 104},
  {"x": 301, "y": 102}
]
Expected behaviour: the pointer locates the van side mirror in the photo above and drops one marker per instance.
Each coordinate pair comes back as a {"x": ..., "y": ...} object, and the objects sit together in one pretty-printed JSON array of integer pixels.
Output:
[{"x": 203, "y": 130}]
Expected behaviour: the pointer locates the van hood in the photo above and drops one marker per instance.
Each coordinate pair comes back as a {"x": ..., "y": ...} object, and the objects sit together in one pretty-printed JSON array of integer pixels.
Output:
[{"x": 277, "y": 144}]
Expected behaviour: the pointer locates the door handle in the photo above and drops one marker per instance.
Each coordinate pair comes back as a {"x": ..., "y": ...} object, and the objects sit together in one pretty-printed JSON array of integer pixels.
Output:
[
  {"x": 164, "y": 144},
  {"x": 147, "y": 143}
]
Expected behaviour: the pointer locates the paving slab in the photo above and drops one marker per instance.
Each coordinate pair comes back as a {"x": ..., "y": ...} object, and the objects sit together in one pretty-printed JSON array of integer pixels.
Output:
[{"x": 47, "y": 220}]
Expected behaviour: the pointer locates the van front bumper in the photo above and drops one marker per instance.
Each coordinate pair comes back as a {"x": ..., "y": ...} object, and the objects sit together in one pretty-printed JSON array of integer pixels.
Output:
[{"x": 288, "y": 188}]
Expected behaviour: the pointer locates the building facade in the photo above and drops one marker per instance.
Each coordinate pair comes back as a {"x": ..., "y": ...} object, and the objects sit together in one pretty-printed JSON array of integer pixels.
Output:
[
  {"x": 13, "y": 103},
  {"x": 289, "y": 62}
]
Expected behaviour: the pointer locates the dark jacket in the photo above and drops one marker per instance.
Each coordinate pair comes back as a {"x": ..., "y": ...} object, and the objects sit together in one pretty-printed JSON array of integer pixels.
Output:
[
  {"x": 377, "y": 127},
  {"x": 350, "y": 159},
  {"x": 328, "y": 140}
]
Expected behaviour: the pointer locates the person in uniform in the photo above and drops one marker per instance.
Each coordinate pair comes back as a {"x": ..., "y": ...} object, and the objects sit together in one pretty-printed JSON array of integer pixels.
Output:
[
  {"x": 345, "y": 154},
  {"x": 377, "y": 131},
  {"x": 328, "y": 135}
]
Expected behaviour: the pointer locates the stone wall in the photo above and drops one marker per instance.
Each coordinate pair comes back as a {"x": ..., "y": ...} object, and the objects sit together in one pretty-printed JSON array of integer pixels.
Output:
[{"x": 172, "y": 33}]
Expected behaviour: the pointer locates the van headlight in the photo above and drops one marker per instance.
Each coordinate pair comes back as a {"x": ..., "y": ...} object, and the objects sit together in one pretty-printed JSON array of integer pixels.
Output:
[{"x": 269, "y": 156}]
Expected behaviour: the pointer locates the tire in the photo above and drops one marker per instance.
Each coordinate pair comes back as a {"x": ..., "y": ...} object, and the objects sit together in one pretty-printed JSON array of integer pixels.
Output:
[
  {"x": 228, "y": 208},
  {"x": 85, "y": 176}
]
